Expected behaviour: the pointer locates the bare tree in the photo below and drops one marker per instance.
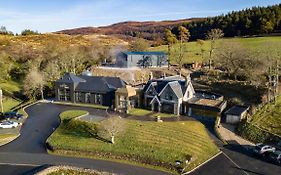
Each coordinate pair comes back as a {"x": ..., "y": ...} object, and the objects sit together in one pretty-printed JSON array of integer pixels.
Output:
[
  {"x": 201, "y": 44},
  {"x": 213, "y": 35},
  {"x": 111, "y": 127},
  {"x": 238, "y": 61},
  {"x": 170, "y": 39},
  {"x": 34, "y": 84},
  {"x": 181, "y": 50}
]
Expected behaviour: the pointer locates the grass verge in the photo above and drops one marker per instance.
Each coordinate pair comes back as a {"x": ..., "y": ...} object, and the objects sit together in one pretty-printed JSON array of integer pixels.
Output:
[
  {"x": 143, "y": 143},
  {"x": 6, "y": 138}
]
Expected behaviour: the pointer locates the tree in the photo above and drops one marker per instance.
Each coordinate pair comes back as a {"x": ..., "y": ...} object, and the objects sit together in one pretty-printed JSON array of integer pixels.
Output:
[
  {"x": 111, "y": 127},
  {"x": 183, "y": 36},
  {"x": 139, "y": 45},
  {"x": 34, "y": 84},
  {"x": 169, "y": 39},
  {"x": 237, "y": 61},
  {"x": 201, "y": 44},
  {"x": 29, "y": 32},
  {"x": 213, "y": 35}
]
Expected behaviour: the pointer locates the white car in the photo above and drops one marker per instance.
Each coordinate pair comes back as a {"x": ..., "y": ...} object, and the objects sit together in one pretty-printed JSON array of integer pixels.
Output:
[
  {"x": 262, "y": 149},
  {"x": 8, "y": 124}
]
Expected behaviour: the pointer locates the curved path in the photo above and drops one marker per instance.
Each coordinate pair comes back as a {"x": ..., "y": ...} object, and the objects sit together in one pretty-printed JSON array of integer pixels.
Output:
[{"x": 29, "y": 150}]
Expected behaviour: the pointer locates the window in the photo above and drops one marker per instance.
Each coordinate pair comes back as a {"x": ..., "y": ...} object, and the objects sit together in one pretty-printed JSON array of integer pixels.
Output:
[
  {"x": 87, "y": 98},
  {"x": 168, "y": 96},
  {"x": 78, "y": 97},
  {"x": 64, "y": 93},
  {"x": 98, "y": 98}
]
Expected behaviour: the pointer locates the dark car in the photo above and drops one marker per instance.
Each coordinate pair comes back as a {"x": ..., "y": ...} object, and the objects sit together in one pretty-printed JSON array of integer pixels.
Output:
[
  {"x": 12, "y": 115},
  {"x": 263, "y": 149},
  {"x": 276, "y": 157}
]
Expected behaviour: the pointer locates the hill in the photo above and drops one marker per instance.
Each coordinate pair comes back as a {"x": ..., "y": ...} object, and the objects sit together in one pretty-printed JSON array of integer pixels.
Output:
[
  {"x": 150, "y": 30},
  {"x": 246, "y": 22},
  {"x": 253, "y": 44}
]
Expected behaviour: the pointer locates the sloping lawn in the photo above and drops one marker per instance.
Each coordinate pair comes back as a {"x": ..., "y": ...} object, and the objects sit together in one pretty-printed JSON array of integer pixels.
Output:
[
  {"x": 269, "y": 117},
  {"x": 146, "y": 143},
  {"x": 9, "y": 103},
  {"x": 145, "y": 112}
]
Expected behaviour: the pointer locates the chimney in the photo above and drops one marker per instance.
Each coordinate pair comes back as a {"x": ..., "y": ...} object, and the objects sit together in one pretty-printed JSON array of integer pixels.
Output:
[{"x": 150, "y": 76}]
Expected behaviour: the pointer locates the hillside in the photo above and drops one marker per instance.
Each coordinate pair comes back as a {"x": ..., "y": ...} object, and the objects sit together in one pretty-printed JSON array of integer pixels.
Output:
[
  {"x": 194, "y": 54},
  {"x": 150, "y": 30}
]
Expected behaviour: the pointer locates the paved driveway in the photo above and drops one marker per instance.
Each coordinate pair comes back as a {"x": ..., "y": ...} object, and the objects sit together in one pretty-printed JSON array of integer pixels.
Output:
[{"x": 29, "y": 150}]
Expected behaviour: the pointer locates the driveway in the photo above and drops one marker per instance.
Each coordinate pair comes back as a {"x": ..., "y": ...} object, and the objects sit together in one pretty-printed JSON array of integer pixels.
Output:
[
  {"x": 235, "y": 159},
  {"x": 29, "y": 151}
]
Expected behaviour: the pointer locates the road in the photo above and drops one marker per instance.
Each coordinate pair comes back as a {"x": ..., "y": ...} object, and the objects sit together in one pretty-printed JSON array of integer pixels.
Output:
[{"x": 27, "y": 154}]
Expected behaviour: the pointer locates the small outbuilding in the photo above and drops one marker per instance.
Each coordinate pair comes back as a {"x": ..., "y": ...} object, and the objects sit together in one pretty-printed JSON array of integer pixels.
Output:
[{"x": 235, "y": 114}]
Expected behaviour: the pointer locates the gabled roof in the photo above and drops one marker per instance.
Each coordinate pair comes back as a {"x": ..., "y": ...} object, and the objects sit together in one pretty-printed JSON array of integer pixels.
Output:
[
  {"x": 176, "y": 83},
  {"x": 70, "y": 78},
  {"x": 97, "y": 84},
  {"x": 144, "y": 53}
]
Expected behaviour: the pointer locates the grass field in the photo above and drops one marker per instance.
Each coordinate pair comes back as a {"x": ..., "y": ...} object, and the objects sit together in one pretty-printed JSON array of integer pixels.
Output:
[
  {"x": 269, "y": 117},
  {"x": 9, "y": 103},
  {"x": 147, "y": 143},
  {"x": 255, "y": 44},
  {"x": 10, "y": 86}
]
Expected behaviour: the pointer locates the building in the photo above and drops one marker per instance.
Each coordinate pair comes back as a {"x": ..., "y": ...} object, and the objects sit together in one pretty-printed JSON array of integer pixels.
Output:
[
  {"x": 126, "y": 98},
  {"x": 205, "y": 104},
  {"x": 235, "y": 114},
  {"x": 168, "y": 94},
  {"x": 87, "y": 89},
  {"x": 141, "y": 59}
]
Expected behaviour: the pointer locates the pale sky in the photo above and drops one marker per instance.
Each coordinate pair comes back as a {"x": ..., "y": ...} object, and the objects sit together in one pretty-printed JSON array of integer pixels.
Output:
[{"x": 54, "y": 15}]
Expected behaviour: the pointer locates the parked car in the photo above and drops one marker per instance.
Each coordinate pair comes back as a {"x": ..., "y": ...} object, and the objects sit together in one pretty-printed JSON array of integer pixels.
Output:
[
  {"x": 8, "y": 124},
  {"x": 263, "y": 149},
  {"x": 276, "y": 157},
  {"x": 12, "y": 115}
]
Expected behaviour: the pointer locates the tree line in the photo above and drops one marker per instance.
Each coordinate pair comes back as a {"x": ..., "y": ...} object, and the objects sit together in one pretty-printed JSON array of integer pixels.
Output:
[{"x": 253, "y": 21}]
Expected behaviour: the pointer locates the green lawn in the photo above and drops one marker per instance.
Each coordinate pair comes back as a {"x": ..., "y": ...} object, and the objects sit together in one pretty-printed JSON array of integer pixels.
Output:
[
  {"x": 139, "y": 112},
  {"x": 9, "y": 103},
  {"x": 6, "y": 138},
  {"x": 10, "y": 86},
  {"x": 255, "y": 44},
  {"x": 269, "y": 117},
  {"x": 146, "y": 143},
  {"x": 145, "y": 112}
]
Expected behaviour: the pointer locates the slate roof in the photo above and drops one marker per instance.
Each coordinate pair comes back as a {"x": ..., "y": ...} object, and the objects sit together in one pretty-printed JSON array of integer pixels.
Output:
[
  {"x": 70, "y": 78},
  {"x": 97, "y": 84},
  {"x": 178, "y": 86},
  {"x": 144, "y": 53},
  {"x": 236, "y": 110}
]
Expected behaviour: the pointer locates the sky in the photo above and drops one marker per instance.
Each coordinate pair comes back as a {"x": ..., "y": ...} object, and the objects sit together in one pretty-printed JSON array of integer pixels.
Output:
[{"x": 54, "y": 15}]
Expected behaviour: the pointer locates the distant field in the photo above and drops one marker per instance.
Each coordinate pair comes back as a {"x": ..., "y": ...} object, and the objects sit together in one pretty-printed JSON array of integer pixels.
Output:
[
  {"x": 256, "y": 43},
  {"x": 147, "y": 143}
]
